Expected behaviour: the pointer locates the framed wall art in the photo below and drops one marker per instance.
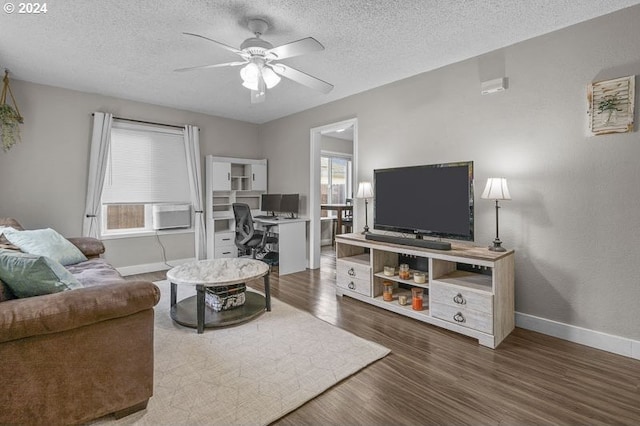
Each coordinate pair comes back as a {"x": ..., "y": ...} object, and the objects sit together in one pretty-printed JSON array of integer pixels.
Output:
[{"x": 611, "y": 105}]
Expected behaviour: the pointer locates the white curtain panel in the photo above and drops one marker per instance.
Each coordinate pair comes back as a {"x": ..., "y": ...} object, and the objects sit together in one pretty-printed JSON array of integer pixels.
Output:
[
  {"x": 100, "y": 141},
  {"x": 192, "y": 149}
]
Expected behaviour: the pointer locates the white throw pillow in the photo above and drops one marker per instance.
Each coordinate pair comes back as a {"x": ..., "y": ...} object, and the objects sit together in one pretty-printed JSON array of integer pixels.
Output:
[
  {"x": 45, "y": 242},
  {"x": 2, "y": 228}
]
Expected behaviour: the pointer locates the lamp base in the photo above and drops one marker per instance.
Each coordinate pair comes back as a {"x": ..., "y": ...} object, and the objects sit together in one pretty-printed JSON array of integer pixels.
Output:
[{"x": 497, "y": 246}]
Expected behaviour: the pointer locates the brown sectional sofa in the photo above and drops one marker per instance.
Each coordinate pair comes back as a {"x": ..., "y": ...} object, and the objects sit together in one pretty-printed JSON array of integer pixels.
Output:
[{"x": 77, "y": 355}]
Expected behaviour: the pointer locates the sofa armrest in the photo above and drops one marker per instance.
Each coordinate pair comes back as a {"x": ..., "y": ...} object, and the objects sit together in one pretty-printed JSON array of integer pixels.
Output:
[
  {"x": 90, "y": 247},
  {"x": 71, "y": 309}
]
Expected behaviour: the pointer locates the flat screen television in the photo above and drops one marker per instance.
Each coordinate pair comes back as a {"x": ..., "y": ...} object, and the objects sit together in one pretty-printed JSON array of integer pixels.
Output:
[
  {"x": 289, "y": 204},
  {"x": 431, "y": 200},
  {"x": 270, "y": 203}
]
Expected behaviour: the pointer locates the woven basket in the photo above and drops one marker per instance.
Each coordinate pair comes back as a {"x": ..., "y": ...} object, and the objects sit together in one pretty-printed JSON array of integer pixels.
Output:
[{"x": 225, "y": 298}]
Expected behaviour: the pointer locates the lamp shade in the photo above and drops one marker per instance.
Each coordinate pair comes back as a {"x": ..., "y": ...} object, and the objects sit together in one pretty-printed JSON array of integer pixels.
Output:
[
  {"x": 251, "y": 76},
  {"x": 364, "y": 190},
  {"x": 271, "y": 79},
  {"x": 496, "y": 189}
]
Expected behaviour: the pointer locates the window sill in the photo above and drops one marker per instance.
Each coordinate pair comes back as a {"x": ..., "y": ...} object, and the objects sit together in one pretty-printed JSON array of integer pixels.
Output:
[{"x": 146, "y": 233}]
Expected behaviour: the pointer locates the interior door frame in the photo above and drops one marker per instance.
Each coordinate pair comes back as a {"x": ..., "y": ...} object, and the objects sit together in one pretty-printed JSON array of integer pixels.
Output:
[{"x": 314, "y": 186}]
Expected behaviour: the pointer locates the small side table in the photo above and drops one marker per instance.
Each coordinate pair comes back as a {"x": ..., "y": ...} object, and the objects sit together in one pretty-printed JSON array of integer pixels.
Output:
[{"x": 193, "y": 312}]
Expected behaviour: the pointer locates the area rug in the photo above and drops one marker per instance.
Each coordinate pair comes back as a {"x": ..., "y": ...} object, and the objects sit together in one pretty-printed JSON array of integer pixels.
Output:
[{"x": 249, "y": 374}]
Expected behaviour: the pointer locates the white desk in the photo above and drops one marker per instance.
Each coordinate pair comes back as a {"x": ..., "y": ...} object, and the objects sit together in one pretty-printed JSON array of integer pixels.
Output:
[{"x": 292, "y": 242}]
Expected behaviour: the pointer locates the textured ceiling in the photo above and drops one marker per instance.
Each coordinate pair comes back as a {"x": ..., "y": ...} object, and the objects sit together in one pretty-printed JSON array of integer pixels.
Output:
[{"x": 129, "y": 49}]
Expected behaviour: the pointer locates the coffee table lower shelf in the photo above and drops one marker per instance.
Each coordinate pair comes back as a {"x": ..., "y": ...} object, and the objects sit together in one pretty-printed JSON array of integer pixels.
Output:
[{"x": 184, "y": 312}]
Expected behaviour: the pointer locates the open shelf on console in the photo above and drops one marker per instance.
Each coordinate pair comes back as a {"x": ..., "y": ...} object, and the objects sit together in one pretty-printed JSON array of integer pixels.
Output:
[
  {"x": 471, "y": 280},
  {"x": 410, "y": 282},
  {"x": 449, "y": 272},
  {"x": 403, "y": 309}
]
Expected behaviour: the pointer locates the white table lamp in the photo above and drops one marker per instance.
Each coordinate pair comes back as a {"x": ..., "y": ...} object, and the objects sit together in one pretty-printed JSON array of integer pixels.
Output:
[
  {"x": 496, "y": 189},
  {"x": 365, "y": 191}
]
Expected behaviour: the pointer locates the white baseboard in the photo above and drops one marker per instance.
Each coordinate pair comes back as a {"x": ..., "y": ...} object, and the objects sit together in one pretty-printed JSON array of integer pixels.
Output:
[
  {"x": 595, "y": 339},
  {"x": 151, "y": 267}
]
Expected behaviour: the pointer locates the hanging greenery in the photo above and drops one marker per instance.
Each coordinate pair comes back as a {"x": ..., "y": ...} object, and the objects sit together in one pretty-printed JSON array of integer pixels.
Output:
[{"x": 10, "y": 117}]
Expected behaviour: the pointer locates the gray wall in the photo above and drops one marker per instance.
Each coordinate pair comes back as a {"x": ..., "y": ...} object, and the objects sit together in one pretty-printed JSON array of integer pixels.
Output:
[
  {"x": 574, "y": 220},
  {"x": 43, "y": 179}
]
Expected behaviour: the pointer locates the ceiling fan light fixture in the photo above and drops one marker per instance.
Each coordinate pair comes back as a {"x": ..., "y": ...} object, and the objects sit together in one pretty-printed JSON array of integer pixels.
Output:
[
  {"x": 249, "y": 74},
  {"x": 271, "y": 79}
]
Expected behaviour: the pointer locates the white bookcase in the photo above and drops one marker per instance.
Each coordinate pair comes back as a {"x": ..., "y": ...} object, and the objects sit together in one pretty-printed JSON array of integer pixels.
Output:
[
  {"x": 230, "y": 180},
  {"x": 469, "y": 290}
]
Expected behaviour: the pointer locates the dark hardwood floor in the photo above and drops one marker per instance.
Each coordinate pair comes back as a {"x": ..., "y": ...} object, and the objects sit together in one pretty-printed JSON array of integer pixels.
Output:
[{"x": 434, "y": 376}]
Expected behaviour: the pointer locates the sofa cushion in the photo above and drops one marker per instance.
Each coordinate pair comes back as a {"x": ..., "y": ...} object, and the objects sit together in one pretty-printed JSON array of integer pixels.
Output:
[
  {"x": 94, "y": 272},
  {"x": 30, "y": 275},
  {"x": 5, "y": 292},
  {"x": 45, "y": 242}
]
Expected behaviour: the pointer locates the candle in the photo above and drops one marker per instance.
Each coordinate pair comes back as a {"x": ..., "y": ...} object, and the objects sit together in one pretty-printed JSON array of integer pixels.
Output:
[
  {"x": 387, "y": 292},
  {"x": 403, "y": 272},
  {"x": 416, "y": 299}
]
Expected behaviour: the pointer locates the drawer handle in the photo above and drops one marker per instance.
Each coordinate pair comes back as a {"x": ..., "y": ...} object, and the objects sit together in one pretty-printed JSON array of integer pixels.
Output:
[
  {"x": 226, "y": 239},
  {"x": 352, "y": 286},
  {"x": 459, "y": 299},
  {"x": 351, "y": 272},
  {"x": 459, "y": 317}
]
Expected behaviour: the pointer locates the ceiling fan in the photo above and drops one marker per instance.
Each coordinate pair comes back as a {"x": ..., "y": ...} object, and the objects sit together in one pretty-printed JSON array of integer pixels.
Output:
[{"x": 261, "y": 71}]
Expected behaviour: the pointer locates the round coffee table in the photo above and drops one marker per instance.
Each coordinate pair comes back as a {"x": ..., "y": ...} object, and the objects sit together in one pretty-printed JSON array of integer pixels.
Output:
[{"x": 193, "y": 312}]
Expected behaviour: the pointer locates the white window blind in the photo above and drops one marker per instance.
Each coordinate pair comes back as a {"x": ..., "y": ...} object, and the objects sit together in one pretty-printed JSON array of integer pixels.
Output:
[{"x": 146, "y": 164}]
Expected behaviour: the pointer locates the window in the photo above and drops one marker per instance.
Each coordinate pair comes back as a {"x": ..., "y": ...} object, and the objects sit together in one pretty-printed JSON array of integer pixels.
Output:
[
  {"x": 335, "y": 181},
  {"x": 146, "y": 165}
]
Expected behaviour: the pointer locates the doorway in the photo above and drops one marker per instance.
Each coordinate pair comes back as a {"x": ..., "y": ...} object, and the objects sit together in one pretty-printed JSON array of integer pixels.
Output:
[{"x": 343, "y": 132}]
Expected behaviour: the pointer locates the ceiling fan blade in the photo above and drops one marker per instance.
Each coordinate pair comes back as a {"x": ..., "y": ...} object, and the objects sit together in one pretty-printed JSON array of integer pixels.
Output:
[
  {"x": 302, "y": 78},
  {"x": 295, "y": 48},
  {"x": 202, "y": 67},
  {"x": 225, "y": 46}
]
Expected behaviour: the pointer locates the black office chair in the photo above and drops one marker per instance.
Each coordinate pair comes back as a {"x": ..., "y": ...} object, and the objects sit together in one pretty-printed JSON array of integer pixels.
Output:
[{"x": 247, "y": 237}]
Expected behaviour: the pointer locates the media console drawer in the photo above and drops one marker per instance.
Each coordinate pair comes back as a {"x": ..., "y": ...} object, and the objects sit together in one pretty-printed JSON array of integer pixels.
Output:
[
  {"x": 465, "y": 317},
  {"x": 359, "y": 285},
  {"x": 461, "y": 297},
  {"x": 353, "y": 269}
]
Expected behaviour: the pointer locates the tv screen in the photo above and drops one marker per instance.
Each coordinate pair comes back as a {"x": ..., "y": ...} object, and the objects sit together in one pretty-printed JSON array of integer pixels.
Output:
[
  {"x": 289, "y": 204},
  {"x": 433, "y": 200},
  {"x": 270, "y": 203}
]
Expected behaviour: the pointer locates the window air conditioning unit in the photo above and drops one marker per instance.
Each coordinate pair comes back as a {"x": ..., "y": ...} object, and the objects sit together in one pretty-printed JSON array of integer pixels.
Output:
[{"x": 171, "y": 216}]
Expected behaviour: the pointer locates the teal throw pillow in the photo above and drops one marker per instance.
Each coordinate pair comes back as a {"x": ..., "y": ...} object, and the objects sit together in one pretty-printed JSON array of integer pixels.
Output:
[
  {"x": 30, "y": 275},
  {"x": 45, "y": 242}
]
